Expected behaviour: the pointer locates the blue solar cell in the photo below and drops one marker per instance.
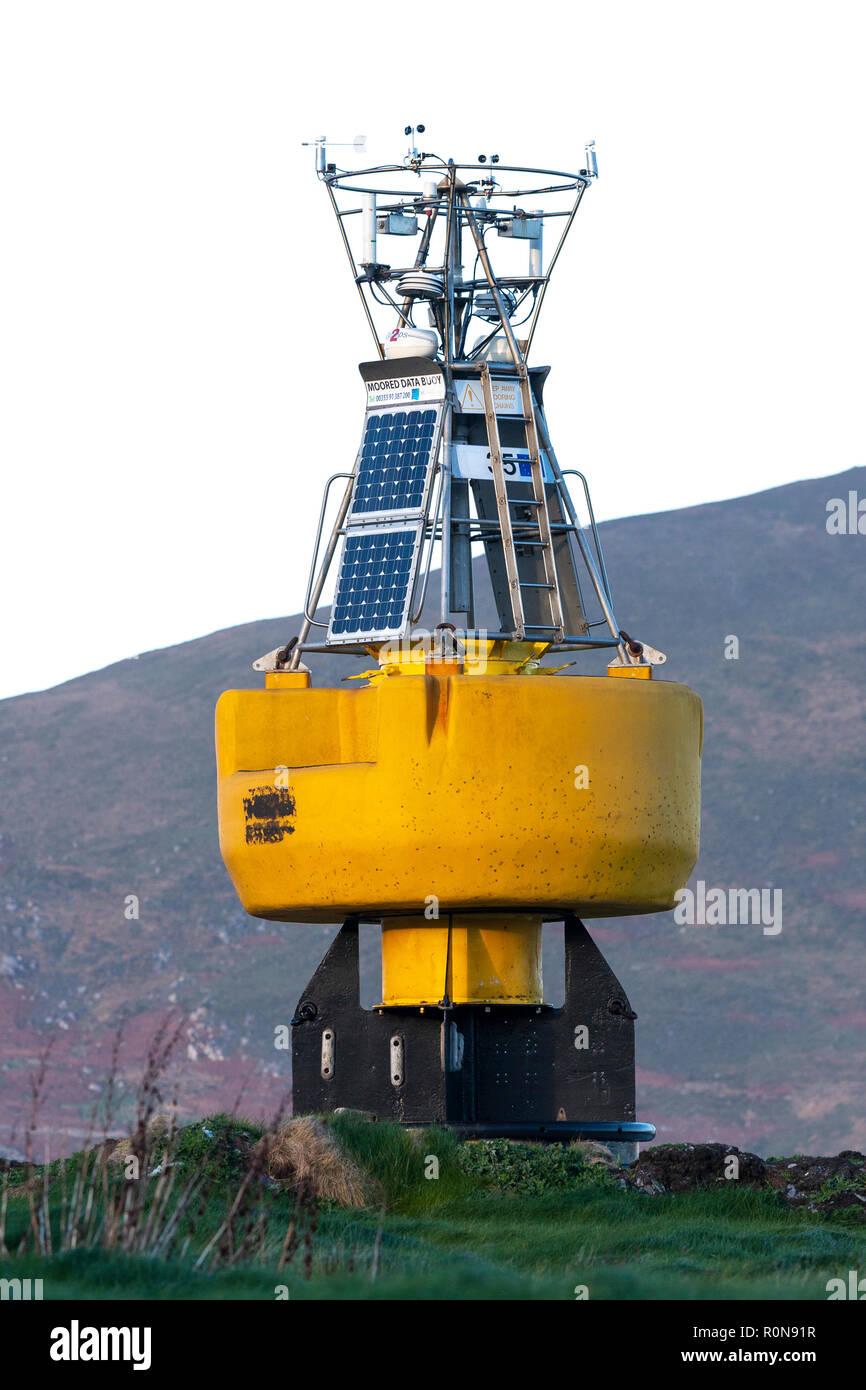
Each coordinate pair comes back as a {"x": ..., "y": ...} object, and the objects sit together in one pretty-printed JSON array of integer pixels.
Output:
[
  {"x": 378, "y": 566},
  {"x": 373, "y": 587},
  {"x": 395, "y": 462}
]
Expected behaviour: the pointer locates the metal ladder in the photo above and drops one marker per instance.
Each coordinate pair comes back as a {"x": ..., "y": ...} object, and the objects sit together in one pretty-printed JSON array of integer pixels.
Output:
[{"x": 539, "y": 528}]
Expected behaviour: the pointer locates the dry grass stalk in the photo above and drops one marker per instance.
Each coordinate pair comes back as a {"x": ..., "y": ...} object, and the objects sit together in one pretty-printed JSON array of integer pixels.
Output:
[{"x": 304, "y": 1152}]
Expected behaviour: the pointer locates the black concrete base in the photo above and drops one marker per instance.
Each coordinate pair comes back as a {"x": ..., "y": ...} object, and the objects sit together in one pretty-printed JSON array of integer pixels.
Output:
[{"x": 519, "y": 1071}]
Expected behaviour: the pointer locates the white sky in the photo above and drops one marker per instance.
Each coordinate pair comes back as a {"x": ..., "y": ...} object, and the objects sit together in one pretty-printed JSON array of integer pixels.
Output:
[{"x": 179, "y": 333}]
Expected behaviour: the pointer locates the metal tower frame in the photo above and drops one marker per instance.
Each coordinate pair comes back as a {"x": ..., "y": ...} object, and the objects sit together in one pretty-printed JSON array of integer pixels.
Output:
[{"x": 467, "y": 202}]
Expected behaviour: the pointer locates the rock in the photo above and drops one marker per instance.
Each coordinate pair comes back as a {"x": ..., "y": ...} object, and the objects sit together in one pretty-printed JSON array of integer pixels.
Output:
[
  {"x": 806, "y": 1174},
  {"x": 844, "y": 1200},
  {"x": 684, "y": 1167},
  {"x": 595, "y": 1154}
]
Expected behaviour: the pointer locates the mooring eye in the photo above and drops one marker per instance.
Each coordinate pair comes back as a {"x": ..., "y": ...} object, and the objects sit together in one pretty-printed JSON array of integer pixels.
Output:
[{"x": 620, "y": 1009}]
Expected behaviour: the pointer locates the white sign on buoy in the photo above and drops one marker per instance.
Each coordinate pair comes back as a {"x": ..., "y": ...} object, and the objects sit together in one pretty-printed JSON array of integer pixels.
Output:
[
  {"x": 473, "y": 461},
  {"x": 506, "y": 397}
]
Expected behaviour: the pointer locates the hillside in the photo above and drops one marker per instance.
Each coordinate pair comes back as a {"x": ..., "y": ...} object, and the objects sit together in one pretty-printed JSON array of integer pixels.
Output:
[{"x": 109, "y": 790}]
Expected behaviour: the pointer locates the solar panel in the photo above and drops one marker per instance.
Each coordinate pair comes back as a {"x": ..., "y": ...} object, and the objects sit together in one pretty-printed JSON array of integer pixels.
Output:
[
  {"x": 395, "y": 462},
  {"x": 379, "y": 561},
  {"x": 374, "y": 586}
]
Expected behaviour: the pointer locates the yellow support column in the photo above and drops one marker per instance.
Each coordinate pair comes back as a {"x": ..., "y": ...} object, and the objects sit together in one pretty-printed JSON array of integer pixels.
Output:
[{"x": 494, "y": 959}]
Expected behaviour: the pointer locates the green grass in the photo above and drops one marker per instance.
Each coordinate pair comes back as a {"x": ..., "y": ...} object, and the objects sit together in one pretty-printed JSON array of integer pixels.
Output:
[
  {"x": 500, "y": 1222},
  {"x": 398, "y": 1163},
  {"x": 220, "y": 1142}
]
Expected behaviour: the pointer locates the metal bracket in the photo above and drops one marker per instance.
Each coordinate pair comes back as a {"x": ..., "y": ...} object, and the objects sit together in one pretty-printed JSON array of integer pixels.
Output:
[
  {"x": 277, "y": 660},
  {"x": 327, "y": 1054},
  {"x": 397, "y": 1072},
  {"x": 639, "y": 653}
]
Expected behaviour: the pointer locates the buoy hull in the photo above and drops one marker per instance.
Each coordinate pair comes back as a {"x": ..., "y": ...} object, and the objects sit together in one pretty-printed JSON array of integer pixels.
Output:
[{"x": 459, "y": 793}]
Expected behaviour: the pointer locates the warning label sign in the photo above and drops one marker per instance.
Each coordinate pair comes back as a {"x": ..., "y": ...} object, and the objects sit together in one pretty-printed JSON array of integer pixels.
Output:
[{"x": 506, "y": 397}]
